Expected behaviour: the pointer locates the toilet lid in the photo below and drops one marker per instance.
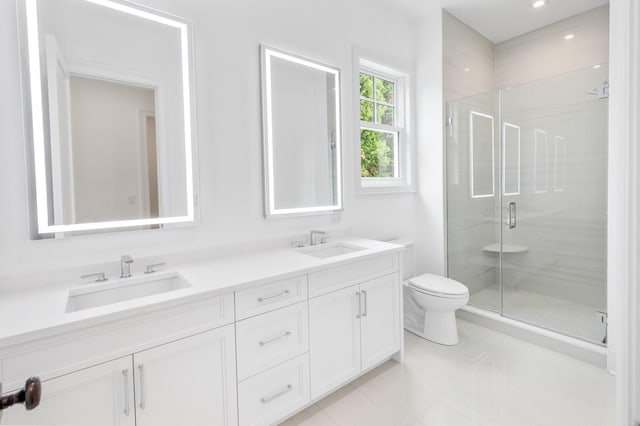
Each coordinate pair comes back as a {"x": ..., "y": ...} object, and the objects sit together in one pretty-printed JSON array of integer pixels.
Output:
[{"x": 438, "y": 285}]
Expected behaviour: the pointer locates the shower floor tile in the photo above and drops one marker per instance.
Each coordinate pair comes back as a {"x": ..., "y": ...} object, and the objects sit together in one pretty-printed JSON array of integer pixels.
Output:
[
  {"x": 489, "y": 378},
  {"x": 573, "y": 319}
]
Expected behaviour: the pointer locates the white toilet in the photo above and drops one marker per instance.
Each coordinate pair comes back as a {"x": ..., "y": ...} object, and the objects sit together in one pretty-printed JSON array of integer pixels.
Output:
[{"x": 430, "y": 301}]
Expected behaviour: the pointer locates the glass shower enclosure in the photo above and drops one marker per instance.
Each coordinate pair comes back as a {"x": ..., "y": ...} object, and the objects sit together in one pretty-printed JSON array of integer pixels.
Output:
[{"x": 526, "y": 201}]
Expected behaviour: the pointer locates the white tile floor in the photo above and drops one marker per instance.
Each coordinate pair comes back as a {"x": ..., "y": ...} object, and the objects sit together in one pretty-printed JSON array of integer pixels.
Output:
[
  {"x": 564, "y": 316},
  {"x": 488, "y": 379}
]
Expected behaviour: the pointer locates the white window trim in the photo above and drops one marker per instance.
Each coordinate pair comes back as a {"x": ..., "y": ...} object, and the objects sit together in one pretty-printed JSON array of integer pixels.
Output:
[{"x": 406, "y": 181}]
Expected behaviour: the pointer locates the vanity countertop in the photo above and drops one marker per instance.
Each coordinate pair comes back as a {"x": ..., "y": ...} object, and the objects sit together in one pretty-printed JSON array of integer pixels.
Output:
[{"x": 40, "y": 312}]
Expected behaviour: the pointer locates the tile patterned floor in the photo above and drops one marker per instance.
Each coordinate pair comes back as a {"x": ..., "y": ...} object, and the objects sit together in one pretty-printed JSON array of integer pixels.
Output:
[{"x": 488, "y": 379}]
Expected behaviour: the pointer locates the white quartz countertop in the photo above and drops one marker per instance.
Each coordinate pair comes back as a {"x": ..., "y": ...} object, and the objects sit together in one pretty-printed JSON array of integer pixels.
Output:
[{"x": 40, "y": 312}]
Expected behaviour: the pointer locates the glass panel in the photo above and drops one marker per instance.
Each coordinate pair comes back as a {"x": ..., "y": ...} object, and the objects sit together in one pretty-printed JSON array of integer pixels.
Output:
[
  {"x": 385, "y": 114},
  {"x": 378, "y": 152},
  {"x": 554, "y": 260},
  {"x": 473, "y": 223},
  {"x": 384, "y": 91},
  {"x": 366, "y": 111},
  {"x": 366, "y": 86}
]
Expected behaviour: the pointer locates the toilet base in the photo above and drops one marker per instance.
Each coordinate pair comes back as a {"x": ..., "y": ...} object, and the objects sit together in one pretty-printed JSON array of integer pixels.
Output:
[{"x": 440, "y": 327}]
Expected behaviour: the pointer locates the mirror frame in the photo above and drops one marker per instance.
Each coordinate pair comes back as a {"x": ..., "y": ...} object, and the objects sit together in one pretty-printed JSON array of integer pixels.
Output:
[
  {"x": 34, "y": 86},
  {"x": 266, "y": 53}
]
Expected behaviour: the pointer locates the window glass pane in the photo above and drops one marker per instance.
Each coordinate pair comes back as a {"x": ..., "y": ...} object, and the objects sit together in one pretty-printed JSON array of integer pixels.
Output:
[
  {"x": 366, "y": 86},
  {"x": 378, "y": 152},
  {"x": 385, "y": 114},
  {"x": 384, "y": 91},
  {"x": 366, "y": 111}
]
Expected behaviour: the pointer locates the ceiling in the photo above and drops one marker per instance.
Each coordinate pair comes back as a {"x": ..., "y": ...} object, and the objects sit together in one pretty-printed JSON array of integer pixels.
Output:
[{"x": 497, "y": 20}]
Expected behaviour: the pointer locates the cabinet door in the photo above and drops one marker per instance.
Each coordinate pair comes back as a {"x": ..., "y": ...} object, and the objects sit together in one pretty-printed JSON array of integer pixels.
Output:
[
  {"x": 188, "y": 382},
  {"x": 380, "y": 320},
  {"x": 334, "y": 339},
  {"x": 97, "y": 396}
]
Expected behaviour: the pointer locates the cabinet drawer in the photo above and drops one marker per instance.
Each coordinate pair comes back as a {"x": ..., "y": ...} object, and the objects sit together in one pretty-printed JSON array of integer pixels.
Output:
[
  {"x": 328, "y": 280},
  {"x": 270, "y": 296},
  {"x": 272, "y": 338},
  {"x": 274, "y": 394}
]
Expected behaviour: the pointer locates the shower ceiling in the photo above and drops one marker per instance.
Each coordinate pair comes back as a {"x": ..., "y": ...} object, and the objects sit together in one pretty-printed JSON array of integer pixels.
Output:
[{"x": 497, "y": 20}]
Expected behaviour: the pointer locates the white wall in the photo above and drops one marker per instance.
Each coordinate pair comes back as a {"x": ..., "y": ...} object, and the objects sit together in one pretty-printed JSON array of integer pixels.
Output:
[
  {"x": 429, "y": 211},
  {"x": 226, "y": 34}
]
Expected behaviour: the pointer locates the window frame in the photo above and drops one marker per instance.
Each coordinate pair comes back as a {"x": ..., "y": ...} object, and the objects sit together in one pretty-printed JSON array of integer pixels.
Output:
[{"x": 404, "y": 170}]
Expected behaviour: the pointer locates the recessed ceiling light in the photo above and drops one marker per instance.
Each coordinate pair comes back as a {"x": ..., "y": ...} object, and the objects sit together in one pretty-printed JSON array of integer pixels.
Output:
[
  {"x": 568, "y": 37},
  {"x": 596, "y": 66},
  {"x": 538, "y": 4},
  {"x": 467, "y": 69}
]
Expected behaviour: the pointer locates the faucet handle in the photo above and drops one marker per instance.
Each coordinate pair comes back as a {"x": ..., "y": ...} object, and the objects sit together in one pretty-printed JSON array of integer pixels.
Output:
[
  {"x": 151, "y": 268},
  {"x": 101, "y": 277},
  {"x": 126, "y": 259},
  {"x": 296, "y": 244}
]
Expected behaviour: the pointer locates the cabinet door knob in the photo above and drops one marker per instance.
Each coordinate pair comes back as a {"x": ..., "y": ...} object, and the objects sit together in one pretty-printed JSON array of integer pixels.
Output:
[{"x": 29, "y": 395}]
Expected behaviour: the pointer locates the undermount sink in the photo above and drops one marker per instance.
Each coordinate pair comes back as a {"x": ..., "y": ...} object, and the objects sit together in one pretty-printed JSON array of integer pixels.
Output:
[
  {"x": 322, "y": 251},
  {"x": 120, "y": 290}
]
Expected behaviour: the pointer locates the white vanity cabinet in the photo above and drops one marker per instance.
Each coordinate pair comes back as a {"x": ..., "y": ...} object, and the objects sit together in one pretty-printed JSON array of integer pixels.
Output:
[
  {"x": 355, "y": 328},
  {"x": 251, "y": 357},
  {"x": 101, "y": 395}
]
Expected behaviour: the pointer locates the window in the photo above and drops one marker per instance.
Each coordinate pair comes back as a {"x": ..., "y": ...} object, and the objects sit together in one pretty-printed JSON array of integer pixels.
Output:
[{"x": 384, "y": 148}]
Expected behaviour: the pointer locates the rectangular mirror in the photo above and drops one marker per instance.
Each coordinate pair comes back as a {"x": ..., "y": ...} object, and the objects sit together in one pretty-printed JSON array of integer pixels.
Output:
[
  {"x": 301, "y": 135},
  {"x": 110, "y": 97}
]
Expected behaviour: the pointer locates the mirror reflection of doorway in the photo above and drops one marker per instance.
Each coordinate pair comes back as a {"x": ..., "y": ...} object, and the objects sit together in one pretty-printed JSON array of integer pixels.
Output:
[
  {"x": 114, "y": 150},
  {"x": 151, "y": 165}
]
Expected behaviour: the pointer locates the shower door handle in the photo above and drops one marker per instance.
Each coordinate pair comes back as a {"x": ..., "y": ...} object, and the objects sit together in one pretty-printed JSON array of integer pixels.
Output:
[{"x": 512, "y": 215}]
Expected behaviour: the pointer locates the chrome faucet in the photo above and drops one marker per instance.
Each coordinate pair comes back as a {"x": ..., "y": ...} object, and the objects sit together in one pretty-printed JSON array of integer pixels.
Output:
[
  {"x": 314, "y": 237},
  {"x": 125, "y": 266}
]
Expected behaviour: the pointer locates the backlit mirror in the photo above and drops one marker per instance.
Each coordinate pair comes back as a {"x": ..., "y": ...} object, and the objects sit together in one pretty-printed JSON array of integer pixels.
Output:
[
  {"x": 110, "y": 102},
  {"x": 301, "y": 126}
]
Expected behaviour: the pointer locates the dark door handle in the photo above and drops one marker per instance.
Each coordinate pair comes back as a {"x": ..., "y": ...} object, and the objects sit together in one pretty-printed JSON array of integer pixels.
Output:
[{"x": 29, "y": 396}]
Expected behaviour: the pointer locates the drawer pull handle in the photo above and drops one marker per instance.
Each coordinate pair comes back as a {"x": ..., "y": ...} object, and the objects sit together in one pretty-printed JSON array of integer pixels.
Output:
[
  {"x": 266, "y": 342},
  {"x": 366, "y": 307},
  {"x": 284, "y": 293},
  {"x": 141, "y": 371},
  {"x": 127, "y": 408},
  {"x": 269, "y": 398}
]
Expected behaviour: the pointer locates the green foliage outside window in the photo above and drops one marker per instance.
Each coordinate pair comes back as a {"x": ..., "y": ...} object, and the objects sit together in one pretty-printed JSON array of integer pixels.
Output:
[{"x": 377, "y": 154}]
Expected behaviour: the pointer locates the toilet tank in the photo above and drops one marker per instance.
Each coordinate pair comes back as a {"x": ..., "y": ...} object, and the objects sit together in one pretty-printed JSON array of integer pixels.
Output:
[{"x": 407, "y": 257}]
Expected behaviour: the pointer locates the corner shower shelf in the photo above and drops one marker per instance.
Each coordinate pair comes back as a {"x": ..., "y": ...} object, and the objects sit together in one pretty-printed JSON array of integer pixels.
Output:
[{"x": 506, "y": 248}]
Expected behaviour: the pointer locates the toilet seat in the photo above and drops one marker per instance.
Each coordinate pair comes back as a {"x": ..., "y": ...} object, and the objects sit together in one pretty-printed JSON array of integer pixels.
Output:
[{"x": 435, "y": 285}]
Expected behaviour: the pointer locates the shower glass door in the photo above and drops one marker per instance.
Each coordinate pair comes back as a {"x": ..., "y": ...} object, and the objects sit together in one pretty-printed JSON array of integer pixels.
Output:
[
  {"x": 473, "y": 197},
  {"x": 534, "y": 248}
]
